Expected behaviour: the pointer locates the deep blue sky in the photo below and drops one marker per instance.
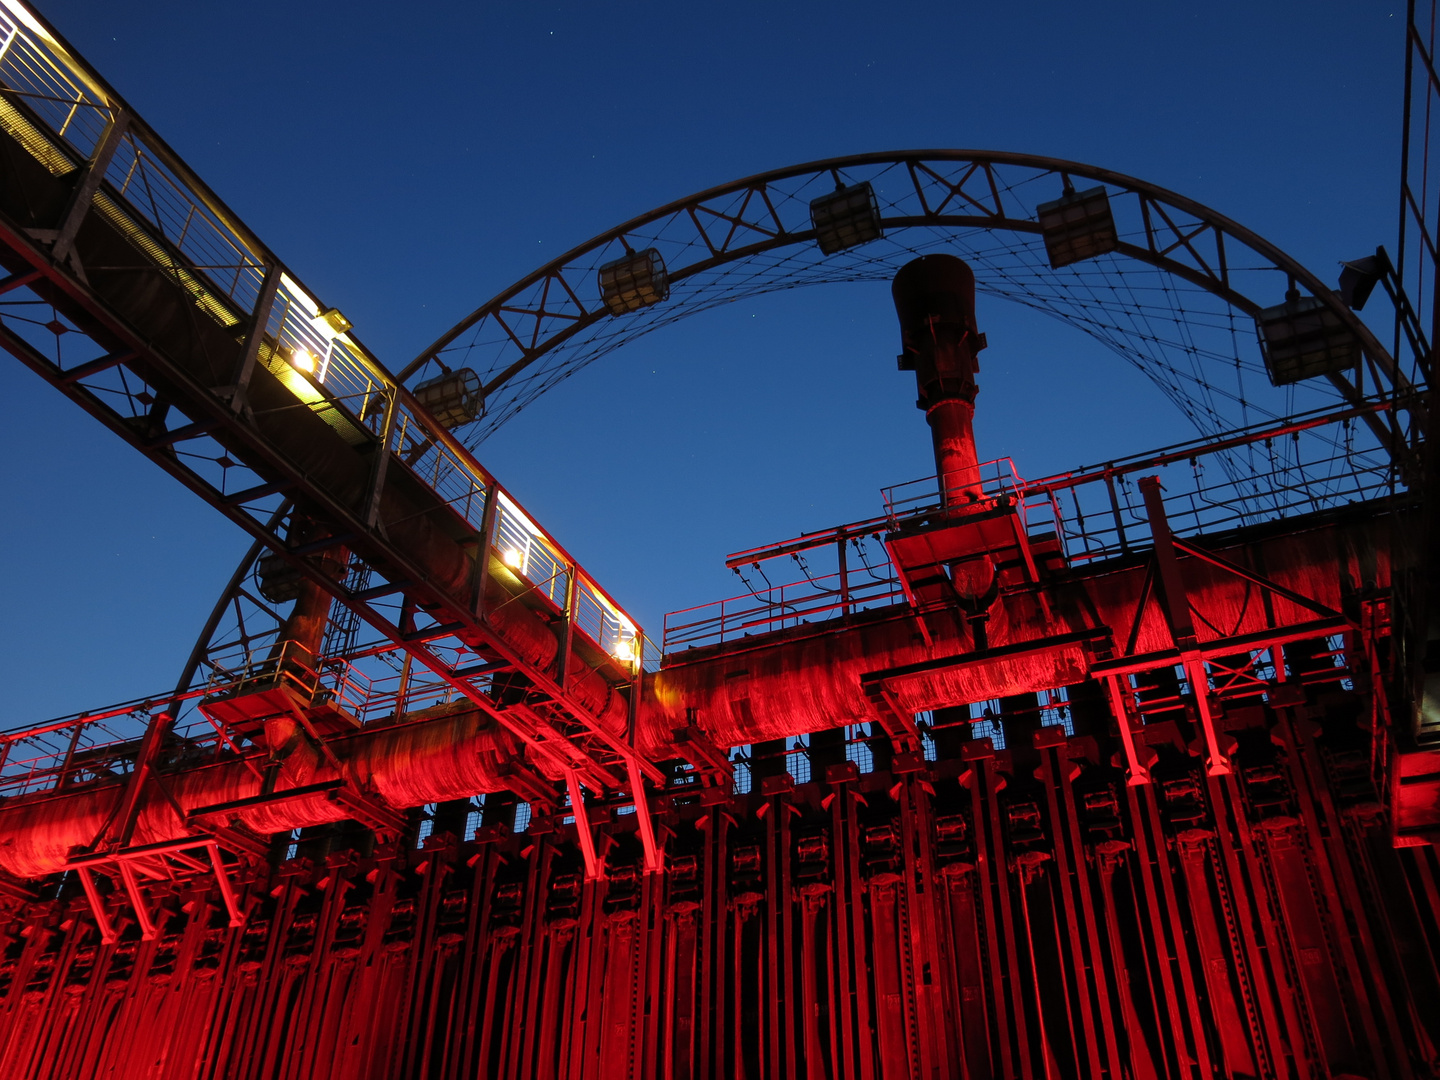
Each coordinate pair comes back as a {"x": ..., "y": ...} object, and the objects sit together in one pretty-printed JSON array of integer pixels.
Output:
[{"x": 410, "y": 161}]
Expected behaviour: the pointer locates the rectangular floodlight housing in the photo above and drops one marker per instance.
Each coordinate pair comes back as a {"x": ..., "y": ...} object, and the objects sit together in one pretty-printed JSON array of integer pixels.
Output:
[
  {"x": 453, "y": 398},
  {"x": 1077, "y": 226},
  {"x": 279, "y": 581},
  {"x": 1359, "y": 277},
  {"x": 846, "y": 218},
  {"x": 337, "y": 322},
  {"x": 1302, "y": 338},
  {"x": 635, "y": 281}
]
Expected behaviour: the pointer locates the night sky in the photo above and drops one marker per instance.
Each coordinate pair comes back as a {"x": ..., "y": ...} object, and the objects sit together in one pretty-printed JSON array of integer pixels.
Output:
[{"x": 410, "y": 161}]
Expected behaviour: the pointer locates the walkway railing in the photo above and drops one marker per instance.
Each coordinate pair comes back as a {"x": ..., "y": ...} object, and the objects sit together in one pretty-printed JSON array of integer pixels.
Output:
[
  {"x": 1266, "y": 473},
  {"x": 793, "y": 604},
  {"x": 98, "y": 745},
  {"x": 66, "y": 116}
]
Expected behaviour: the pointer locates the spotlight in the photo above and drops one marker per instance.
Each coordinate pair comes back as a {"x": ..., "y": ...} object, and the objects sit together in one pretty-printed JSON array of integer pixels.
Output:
[
  {"x": 279, "y": 581},
  {"x": 303, "y": 360},
  {"x": 334, "y": 321},
  {"x": 1302, "y": 338},
  {"x": 513, "y": 558},
  {"x": 846, "y": 218},
  {"x": 1359, "y": 278},
  {"x": 635, "y": 281},
  {"x": 1077, "y": 226},
  {"x": 452, "y": 398}
]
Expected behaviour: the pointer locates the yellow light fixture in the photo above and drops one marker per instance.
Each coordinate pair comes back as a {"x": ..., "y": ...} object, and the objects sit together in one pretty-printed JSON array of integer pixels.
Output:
[
  {"x": 337, "y": 323},
  {"x": 513, "y": 558},
  {"x": 303, "y": 360},
  {"x": 624, "y": 650}
]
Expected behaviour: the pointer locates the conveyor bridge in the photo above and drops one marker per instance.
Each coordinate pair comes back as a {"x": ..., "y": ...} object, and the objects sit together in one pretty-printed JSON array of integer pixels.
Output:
[{"x": 181, "y": 332}]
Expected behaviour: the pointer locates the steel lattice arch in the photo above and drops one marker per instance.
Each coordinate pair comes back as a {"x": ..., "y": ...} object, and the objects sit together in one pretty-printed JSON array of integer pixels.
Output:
[{"x": 1177, "y": 298}]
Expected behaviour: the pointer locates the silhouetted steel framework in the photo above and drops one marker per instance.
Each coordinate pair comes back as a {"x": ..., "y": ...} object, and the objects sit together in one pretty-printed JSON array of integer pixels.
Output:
[
  {"x": 1164, "y": 293},
  {"x": 1123, "y": 772}
]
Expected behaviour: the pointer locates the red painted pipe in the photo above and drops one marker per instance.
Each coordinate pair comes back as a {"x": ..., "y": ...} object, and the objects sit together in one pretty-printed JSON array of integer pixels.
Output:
[
  {"x": 810, "y": 679},
  {"x": 935, "y": 301}
]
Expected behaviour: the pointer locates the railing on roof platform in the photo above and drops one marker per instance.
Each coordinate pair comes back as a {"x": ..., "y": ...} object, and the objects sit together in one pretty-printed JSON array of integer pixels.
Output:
[{"x": 1096, "y": 513}]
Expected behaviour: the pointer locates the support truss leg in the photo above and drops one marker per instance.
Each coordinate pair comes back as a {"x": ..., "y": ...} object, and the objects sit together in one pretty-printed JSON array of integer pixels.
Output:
[
  {"x": 654, "y": 857},
  {"x": 1216, "y": 763},
  {"x": 137, "y": 900},
  {"x": 97, "y": 907},
  {"x": 594, "y": 871},
  {"x": 1137, "y": 772},
  {"x": 227, "y": 889}
]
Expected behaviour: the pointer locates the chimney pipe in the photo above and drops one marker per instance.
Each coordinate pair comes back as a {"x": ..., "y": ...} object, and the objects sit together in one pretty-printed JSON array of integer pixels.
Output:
[{"x": 935, "y": 301}]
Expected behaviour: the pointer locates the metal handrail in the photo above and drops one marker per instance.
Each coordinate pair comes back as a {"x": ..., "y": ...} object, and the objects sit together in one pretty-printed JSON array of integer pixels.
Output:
[
  {"x": 1112, "y": 524},
  {"x": 998, "y": 479},
  {"x": 58, "y": 766},
  {"x": 791, "y": 604}
]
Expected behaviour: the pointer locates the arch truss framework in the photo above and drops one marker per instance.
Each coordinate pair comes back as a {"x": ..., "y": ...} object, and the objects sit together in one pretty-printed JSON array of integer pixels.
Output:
[{"x": 1176, "y": 296}]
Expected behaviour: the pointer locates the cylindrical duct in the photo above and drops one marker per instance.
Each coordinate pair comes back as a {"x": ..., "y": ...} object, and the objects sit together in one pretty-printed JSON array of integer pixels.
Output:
[
  {"x": 452, "y": 756},
  {"x": 935, "y": 301}
]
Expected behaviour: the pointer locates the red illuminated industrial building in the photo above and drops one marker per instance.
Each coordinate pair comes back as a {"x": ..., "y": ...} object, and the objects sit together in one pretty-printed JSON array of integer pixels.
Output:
[{"x": 1131, "y": 772}]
